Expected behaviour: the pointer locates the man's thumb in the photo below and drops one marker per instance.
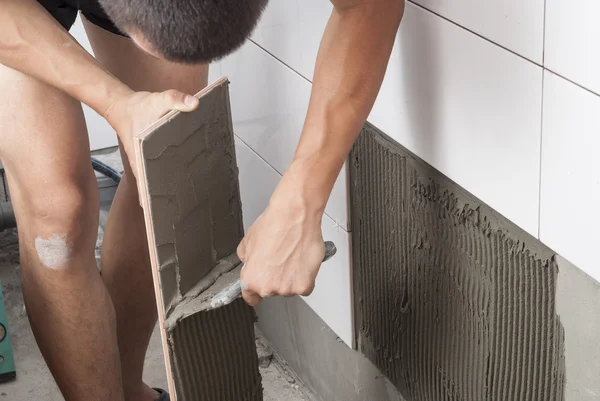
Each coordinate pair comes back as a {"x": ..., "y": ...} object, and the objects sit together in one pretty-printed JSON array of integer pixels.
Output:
[{"x": 175, "y": 100}]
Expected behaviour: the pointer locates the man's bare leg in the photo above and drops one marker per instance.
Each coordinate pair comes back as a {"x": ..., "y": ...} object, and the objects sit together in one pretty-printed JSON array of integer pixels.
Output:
[
  {"x": 125, "y": 260},
  {"x": 44, "y": 148}
]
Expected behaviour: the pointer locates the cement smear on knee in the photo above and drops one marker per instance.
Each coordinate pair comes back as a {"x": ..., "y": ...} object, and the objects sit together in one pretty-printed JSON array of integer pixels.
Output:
[{"x": 53, "y": 252}]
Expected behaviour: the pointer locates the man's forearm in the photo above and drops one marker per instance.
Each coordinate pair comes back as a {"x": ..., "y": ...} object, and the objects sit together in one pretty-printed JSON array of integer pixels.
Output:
[
  {"x": 350, "y": 67},
  {"x": 32, "y": 42}
]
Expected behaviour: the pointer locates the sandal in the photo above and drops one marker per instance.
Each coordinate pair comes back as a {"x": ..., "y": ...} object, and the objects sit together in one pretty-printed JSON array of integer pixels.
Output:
[{"x": 162, "y": 395}]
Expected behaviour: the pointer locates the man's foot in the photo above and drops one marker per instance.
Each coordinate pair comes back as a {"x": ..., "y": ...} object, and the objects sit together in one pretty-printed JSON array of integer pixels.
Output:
[
  {"x": 162, "y": 395},
  {"x": 145, "y": 393}
]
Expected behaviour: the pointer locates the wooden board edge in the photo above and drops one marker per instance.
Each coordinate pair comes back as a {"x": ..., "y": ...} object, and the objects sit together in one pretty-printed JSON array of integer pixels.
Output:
[{"x": 145, "y": 200}]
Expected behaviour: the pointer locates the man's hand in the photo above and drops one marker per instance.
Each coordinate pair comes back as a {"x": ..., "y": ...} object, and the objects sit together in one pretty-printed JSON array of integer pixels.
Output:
[
  {"x": 283, "y": 250},
  {"x": 132, "y": 112}
]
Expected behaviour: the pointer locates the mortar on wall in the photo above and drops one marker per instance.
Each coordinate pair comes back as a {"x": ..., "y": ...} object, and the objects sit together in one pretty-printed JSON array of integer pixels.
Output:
[{"x": 452, "y": 300}]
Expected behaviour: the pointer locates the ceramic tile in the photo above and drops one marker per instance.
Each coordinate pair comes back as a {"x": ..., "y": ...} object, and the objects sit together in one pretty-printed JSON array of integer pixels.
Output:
[
  {"x": 514, "y": 24},
  {"x": 331, "y": 299},
  {"x": 470, "y": 109},
  {"x": 572, "y": 33},
  {"x": 292, "y": 30},
  {"x": 570, "y": 192},
  {"x": 269, "y": 104}
]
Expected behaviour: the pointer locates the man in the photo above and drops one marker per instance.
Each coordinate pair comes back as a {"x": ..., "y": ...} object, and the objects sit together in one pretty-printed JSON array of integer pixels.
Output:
[{"x": 150, "y": 56}]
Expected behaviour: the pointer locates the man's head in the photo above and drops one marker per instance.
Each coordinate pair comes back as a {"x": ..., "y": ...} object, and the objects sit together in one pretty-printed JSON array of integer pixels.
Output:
[{"x": 186, "y": 31}]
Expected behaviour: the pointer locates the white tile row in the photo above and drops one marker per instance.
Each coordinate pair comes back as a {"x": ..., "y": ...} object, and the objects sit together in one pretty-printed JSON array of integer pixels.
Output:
[
  {"x": 291, "y": 30},
  {"x": 570, "y": 193},
  {"x": 331, "y": 299}
]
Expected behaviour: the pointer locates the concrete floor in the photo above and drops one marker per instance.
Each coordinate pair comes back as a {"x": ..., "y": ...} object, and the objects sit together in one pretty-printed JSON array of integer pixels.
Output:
[{"x": 34, "y": 381}]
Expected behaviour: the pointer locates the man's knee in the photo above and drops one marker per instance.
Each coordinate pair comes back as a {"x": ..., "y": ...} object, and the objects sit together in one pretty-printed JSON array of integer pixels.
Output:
[{"x": 61, "y": 223}]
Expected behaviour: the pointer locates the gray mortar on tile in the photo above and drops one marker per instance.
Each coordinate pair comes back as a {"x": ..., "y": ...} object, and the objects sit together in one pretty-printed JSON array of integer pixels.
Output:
[
  {"x": 452, "y": 300},
  {"x": 195, "y": 224},
  {"x": 193, "y": 188}
]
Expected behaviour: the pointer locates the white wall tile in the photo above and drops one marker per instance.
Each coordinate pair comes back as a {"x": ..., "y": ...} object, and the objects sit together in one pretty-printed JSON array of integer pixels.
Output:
[
  {"x": 100, "y": 132},
  {"x": 331, "y": 299},
  {"x": 572, "y": 33},
  {"x": 214, "y": 72},
  {"x": 292, "y": 30},
  {"x": 269, "y": 103},
  {"x": 570, "y": 196},
  {"x": 517, "y": 25},
  {"x": 470, "y": 109}
]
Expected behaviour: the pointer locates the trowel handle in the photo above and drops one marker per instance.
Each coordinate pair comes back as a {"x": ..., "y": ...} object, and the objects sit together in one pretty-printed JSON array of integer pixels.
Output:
[{"x": 234, "y": 290}]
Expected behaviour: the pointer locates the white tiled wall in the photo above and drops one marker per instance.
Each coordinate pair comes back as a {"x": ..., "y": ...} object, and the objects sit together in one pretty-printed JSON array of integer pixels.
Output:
[
  {"x": 332, "y": 296},
  {"x": 462, "y": 103},
  {"x": 570, "y": 201},
  {"x": 573, "y": 41},
  {"x": 269, "y": 103}
]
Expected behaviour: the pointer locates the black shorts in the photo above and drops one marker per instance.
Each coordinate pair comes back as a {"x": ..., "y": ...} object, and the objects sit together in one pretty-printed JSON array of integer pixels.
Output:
[{"x": 65, "y": 12}]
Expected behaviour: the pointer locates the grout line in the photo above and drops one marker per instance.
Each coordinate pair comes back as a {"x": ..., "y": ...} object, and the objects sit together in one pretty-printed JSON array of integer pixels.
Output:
[
  {"x": 541, "y": 162},
  {"x": 475, "y": 33},
  {"x": 281, "y": 175},
  {"x": 544, "y": 36},
  {"x": 256, "y": 153},
  {"x": 281, "y": 61},
  {"x": 573, "y": 82},
  {"x": 542, "y": 126}
]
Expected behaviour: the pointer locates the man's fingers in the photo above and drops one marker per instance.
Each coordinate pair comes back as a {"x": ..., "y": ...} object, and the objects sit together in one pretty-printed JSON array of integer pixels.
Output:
[
  {"x": 176, "y": 100},
  {"x": 251, "y": 298},
  {"x": 241, "y": 250}
]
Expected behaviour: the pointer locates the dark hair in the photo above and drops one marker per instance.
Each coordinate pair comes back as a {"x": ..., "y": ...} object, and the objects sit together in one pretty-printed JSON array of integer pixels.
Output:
[{"x": 188, "y": 31}]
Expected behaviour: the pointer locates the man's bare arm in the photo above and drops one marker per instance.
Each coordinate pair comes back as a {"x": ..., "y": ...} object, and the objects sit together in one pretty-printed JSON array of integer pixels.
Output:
[
  {"x": 33, "y": 42},
  {"x": 283, "y": 249},
  {"x": 350, "y": 67}
]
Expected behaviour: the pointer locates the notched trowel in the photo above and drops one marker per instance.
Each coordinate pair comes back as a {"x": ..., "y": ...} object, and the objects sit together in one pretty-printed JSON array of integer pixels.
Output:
[{"x": 234, "y": 290}]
